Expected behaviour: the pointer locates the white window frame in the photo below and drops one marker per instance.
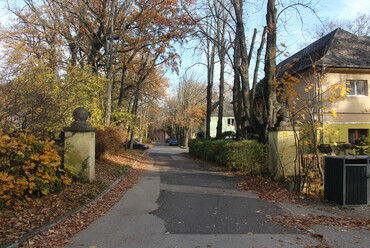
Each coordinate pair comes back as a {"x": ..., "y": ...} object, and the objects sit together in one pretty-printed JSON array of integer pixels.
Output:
[{"x": 355, "y": 89}]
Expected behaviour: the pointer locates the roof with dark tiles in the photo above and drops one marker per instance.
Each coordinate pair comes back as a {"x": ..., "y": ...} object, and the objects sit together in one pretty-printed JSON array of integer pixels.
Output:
[
  {"x": 227, "y": 110},
  {"x": 338, "y": 49}
]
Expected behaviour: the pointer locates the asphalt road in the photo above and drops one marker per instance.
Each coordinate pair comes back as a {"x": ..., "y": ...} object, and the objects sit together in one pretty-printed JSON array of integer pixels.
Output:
[{"x": 179, "y": 203}]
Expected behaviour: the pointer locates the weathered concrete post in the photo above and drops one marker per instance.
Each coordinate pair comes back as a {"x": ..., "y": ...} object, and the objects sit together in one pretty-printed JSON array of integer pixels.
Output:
[
  {"x": 283, "y": 163},
  {"x": 80, "y": 145}
]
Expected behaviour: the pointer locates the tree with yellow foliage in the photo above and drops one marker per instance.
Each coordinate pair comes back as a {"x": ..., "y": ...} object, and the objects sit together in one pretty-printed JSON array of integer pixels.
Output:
[
  {"x": 306, "y": 100},
  {"x": 104, "y": 36}
]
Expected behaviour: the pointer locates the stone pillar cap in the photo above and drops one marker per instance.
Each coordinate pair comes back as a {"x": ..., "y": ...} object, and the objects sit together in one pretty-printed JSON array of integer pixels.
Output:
[{"x": 80, "y": 115}]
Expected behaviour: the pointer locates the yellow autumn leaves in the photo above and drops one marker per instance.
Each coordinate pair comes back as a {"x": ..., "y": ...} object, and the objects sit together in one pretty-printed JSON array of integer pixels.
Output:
[
  {"x": 28, "y": 167},
  {"x": 38, "y": 99}
]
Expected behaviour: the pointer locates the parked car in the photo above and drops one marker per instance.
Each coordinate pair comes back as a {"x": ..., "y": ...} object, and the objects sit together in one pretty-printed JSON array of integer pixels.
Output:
[
  {"x": 173, "y": 142},
  {"x": 136, "y": 145},
  {"x": 168, "y": 140}
]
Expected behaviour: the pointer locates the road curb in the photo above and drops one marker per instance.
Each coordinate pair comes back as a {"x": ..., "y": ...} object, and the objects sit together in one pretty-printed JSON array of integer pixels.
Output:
[{"x": 27, "y": 236}]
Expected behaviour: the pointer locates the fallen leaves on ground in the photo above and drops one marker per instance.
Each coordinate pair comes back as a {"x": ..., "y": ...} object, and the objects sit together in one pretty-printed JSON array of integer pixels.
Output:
[
  {"x": 318, "y": 246},
  {"x": 21, "y": 219},
  {"x": 267, "y": 189},
  {"x": 60, "y": 234},
  {"x": 303, "y": 223}
]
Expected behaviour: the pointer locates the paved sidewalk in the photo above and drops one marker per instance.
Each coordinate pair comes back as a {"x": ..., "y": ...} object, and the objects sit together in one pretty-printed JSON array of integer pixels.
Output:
[
  {"x": 176, "y": 203},
  {"x": 334, "y": 236}
]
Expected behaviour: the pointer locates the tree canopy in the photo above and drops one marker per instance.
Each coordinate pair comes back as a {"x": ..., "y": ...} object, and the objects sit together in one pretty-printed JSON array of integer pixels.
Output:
[{"x": 105, "y": 55}]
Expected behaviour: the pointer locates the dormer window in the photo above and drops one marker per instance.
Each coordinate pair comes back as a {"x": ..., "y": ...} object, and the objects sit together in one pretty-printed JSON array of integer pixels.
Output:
[{"x": 357, "y": 87}]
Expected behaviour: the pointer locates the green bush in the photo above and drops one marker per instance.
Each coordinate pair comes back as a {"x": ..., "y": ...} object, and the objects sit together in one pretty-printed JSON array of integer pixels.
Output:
[
  {"x": 228, "y": 135},
  {"x": 247, "y": 156},
  {"x": 363, "y": 147}
]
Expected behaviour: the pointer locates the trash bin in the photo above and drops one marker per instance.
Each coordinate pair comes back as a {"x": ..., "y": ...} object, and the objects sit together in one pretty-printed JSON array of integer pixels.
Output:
[{"x": 346, "y": 180}]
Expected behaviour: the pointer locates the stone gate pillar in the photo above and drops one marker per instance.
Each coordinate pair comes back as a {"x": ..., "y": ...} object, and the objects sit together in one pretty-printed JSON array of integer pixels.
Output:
[
  {"x": 283, "y": 163},
  {"x": 79, "y": 144},
  {"x": 282, "y": 152}
]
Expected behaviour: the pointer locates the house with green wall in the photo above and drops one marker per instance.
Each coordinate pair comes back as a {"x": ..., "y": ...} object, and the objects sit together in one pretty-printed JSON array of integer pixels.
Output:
[{"x": 339, "y": 58}]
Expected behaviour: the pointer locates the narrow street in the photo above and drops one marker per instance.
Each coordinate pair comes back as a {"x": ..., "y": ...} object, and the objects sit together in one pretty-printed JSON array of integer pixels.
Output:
[
  {"x": 179, "y": 203},
  {"x": 194, "y": 200}
]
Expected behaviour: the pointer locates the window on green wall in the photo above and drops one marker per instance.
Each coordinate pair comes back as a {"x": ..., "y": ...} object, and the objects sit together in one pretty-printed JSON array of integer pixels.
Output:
[
  {"x": 354, "y": 135},
  {"x": 230, "y": 122},
  {"x": 357, "y": 87}
]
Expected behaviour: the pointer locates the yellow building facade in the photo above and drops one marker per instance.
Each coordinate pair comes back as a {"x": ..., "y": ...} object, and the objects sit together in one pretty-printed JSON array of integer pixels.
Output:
[
  {"x": 352, "y": 120},
  {"x": 340, "y": 60}
]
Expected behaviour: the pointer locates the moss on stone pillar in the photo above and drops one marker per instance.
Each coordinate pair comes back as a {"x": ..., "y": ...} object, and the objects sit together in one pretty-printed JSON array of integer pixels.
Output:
[{"x": 79, "y": 144}]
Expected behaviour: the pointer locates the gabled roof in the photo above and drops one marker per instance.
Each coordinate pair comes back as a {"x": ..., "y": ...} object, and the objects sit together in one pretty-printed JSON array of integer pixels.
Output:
[
  {"x": 339, "y": 49},
  {"x": 227, "y": 110}
]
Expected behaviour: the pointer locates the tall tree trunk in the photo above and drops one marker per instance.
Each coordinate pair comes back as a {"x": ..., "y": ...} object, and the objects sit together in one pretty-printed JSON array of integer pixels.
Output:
[
  {"x": 221, "y": 93},
  {"x": 270, "y": 98},
  {"x": 237, "y": 108},
  {"x": 242, "y": 67},
  {"x": 73, "y": 50},
  {"x": 135, "y": 107},
  {"x": 210, "y": 73},
  {"x": 108, "y": 106},
  {"x": 141, "y": 126},
  {"x": 186, "y": 140},
  {"x": 109, "y": 48},
  {"x": 221, "y": 32},
  {"x": 123, "y": 85}
]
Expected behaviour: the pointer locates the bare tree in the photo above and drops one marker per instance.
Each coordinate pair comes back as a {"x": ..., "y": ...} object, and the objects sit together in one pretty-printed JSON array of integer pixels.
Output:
[
  {"x": 220, "y": 10},
  {"x": 359, "y": 26},
  {"x": 213, "y": 28},
  {"x": 244, "y": 96}
]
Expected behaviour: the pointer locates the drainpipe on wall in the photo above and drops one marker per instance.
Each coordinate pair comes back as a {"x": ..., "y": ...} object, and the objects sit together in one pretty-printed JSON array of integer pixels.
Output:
[{"x": 322, "y": 106}]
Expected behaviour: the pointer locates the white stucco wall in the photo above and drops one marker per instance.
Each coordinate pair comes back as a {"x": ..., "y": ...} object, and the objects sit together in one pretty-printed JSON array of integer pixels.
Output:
[{"x": 225, "y": 126}]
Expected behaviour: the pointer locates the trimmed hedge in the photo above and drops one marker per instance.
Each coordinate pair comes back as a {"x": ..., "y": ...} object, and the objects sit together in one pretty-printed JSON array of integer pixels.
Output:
[{"x": 247, "y": 156}]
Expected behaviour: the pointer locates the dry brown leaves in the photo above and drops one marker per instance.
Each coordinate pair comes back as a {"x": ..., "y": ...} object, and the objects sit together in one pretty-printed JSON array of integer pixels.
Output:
[
  {"x": 303, "y": 223},
  {"x": 21, "y": 219},
  {"x": 63, "y": 231},
  {"x": 268, "y": 190},
  {"x": 275, "y": 192}
]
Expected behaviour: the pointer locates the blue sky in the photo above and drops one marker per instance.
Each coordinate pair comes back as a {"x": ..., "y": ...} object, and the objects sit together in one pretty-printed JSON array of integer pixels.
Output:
[{"x": 295, "y": 37}]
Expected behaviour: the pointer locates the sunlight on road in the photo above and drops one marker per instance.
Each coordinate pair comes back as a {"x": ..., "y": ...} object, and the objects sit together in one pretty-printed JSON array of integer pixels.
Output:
[{"x": 161, "y": 147}]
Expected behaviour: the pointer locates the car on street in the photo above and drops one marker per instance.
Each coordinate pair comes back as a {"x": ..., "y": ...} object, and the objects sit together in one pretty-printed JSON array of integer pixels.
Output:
[
  {"x": 173, "y": 142},
  {"x": 168, "y": 140},
  {"x": 136, "y": 145}
]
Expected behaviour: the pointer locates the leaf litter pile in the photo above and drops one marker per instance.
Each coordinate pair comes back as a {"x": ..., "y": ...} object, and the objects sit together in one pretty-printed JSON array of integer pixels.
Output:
[
  {"x": 303, "y": 223},
  {"x": 21, "y": 219},
  {"x": 275, "y": 192},
  {"x": 268, "y": 190}
]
